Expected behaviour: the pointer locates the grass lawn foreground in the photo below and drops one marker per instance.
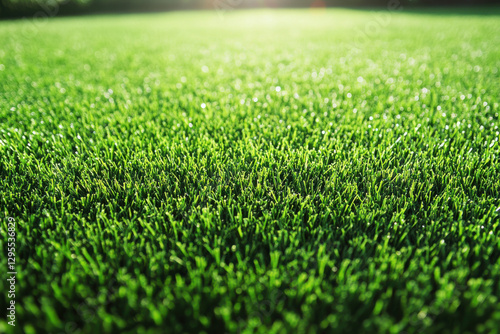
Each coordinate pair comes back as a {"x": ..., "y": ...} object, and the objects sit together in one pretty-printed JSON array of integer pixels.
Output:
[{"x": 258, "y": 171}]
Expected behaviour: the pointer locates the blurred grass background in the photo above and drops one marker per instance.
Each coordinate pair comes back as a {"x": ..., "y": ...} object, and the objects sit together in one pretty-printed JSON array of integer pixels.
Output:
[{"x": 42, "y": 8}]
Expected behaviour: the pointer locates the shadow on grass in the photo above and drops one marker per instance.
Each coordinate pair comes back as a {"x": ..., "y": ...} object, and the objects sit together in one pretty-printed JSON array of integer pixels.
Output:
[{"x": 455, "y": 11}]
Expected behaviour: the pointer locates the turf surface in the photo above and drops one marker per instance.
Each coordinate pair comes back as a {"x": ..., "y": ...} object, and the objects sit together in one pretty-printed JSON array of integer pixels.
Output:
[{"x": 263, "y": 172}]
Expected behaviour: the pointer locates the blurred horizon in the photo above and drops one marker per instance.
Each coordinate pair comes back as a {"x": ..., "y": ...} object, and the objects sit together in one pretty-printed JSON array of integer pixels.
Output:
[{"x": 42, "y": 9}]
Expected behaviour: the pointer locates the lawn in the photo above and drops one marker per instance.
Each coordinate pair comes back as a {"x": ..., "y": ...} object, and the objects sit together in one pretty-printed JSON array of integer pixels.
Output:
[{"x": 289, "y": 171}]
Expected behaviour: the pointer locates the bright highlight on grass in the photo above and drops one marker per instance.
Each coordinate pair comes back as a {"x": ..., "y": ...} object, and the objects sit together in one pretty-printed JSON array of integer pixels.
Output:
[{"x": 269, "y": 172}]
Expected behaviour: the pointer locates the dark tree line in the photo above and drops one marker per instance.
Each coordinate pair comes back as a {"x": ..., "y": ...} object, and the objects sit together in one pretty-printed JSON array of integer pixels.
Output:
[{"x": 20, "y": 8}]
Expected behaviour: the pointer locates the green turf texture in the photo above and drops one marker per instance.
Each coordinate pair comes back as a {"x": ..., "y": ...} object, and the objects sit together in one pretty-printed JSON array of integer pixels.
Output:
[{"x": 259, "y": 172}]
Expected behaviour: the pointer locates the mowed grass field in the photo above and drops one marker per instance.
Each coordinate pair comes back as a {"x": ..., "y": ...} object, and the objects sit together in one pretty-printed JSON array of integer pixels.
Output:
[{"x": 295, "y": 171}]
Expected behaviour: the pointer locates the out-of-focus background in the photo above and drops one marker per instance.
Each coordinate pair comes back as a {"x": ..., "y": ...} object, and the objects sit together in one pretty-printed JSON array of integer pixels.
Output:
[{"x": 48, "y": 8}]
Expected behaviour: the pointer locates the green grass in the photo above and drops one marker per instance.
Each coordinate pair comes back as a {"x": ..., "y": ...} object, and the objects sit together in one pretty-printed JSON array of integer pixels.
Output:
[{"x": 334, "y": 182}]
